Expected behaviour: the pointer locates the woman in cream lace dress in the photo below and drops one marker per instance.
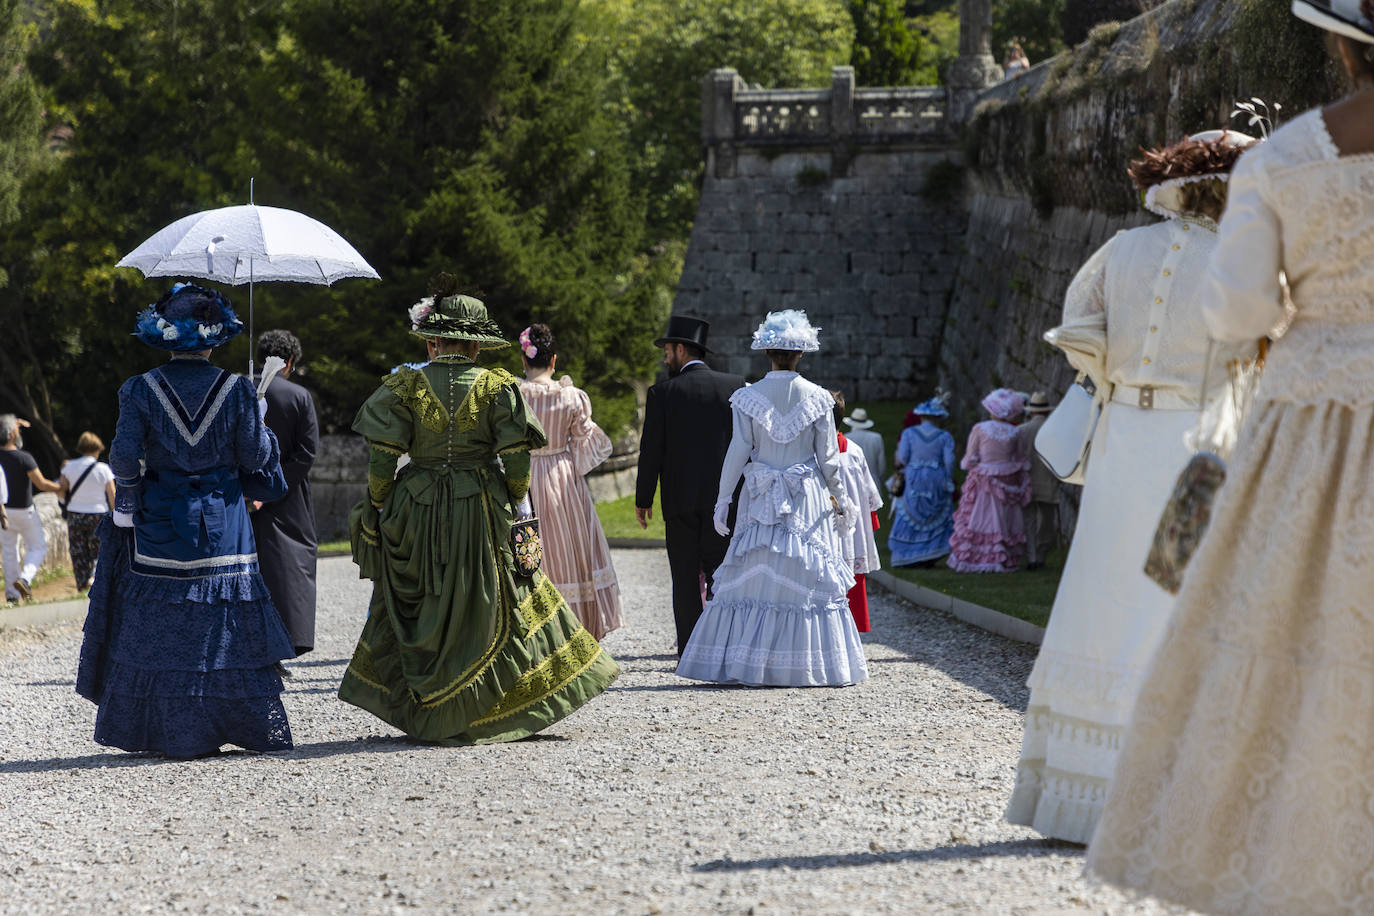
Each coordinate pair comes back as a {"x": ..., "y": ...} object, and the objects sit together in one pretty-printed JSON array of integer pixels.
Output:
[
  {"x": 577, "y": 557},
  {"x": 1246, "y": 781},
  {"x": 1133, "y": 322},
  {"x": 779, "y": 616}
]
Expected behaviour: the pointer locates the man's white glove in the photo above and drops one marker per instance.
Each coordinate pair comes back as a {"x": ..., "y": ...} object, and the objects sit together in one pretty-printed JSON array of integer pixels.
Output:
[
  {"x": 123, "y": 519},
  {"x": 721, "y": 519},
  {"x": 523, "y": 509},
  {"x": 262, "y": 409}
]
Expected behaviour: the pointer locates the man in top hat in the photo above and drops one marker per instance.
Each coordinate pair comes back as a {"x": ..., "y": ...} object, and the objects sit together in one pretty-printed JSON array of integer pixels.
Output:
[
  {"x": 1042, "y": 512},
  {"x": 687, "y": 428},
  {"x": 869, "y": 442}
]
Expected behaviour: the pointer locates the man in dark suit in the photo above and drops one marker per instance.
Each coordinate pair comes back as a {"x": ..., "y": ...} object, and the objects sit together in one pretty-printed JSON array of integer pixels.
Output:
[
  {"x": 285, "y": 529},
  {"x": 687, "y": 428}
]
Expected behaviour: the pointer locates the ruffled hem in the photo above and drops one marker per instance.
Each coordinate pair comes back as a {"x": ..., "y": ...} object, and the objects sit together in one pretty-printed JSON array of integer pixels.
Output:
[
  {"x": 1058, "y": 806},
  {"x": 191, "y": 726},
  {"x": 825, "y": 569},
  {"x": 529, "y": 684},
  {"x": 815, "y": 404},
  {"x": 765, "y": 644}
]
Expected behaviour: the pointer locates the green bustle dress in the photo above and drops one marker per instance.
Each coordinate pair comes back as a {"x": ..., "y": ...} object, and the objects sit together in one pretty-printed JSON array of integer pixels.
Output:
[{"x": 458, "y": 648}]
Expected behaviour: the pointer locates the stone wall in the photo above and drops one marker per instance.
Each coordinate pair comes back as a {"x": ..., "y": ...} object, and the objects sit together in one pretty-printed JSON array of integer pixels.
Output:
[
  {"x": 1046, "y": 157},
  {"x": 842, "y": 202}
]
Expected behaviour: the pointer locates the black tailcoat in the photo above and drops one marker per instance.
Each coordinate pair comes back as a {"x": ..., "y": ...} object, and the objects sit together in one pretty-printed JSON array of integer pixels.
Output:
[
  {"x": 687, "y": 429},
  {"x": 285, "y": 529}
]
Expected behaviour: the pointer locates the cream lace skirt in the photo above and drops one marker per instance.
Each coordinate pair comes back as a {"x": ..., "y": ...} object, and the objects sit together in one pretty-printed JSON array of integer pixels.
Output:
[{"x": 1246, "y": 779}]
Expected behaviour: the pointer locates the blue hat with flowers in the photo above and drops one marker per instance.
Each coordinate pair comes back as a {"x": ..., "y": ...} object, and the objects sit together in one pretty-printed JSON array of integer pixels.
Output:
[
  {"x": 188, "y": 318},
  {"x": 935, "y": 407}
]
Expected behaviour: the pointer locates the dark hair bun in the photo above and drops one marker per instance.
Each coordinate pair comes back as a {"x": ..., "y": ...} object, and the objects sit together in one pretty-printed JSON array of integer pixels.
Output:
[{"x": 545, "y": 344}]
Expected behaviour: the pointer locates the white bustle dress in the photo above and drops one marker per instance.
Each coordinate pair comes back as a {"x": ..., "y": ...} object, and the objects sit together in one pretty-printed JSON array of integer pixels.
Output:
[{"x": 779, "y": 615}]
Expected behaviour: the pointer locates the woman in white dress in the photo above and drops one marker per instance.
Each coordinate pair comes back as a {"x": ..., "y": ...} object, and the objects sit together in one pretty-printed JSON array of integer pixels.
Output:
[
  {"x": 1133, "y": 322},
  {"x": 779, "y": 616},
  {"x": 1246, "y": 783}
]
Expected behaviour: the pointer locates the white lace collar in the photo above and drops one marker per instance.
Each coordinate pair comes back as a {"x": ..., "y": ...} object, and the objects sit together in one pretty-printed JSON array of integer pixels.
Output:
[{"x": 783, "y": 428}]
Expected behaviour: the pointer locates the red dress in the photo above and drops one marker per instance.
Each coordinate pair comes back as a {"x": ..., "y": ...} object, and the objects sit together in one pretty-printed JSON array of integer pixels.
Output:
[{"x": 858, "y": 595}]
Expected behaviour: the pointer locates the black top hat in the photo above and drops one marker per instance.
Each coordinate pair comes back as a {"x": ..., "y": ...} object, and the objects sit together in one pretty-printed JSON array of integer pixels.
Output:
[{"x": 684, "y": 329}]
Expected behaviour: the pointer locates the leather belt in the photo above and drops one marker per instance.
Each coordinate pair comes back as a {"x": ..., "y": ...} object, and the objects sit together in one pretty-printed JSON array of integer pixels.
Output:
[{"x": 1147, "y": 397}]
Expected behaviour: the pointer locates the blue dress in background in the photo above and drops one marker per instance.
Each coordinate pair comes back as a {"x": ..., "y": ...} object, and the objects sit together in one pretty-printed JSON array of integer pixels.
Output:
[
  {"x": 924, "y": 513},
  {"x": 181, "y": 638}
]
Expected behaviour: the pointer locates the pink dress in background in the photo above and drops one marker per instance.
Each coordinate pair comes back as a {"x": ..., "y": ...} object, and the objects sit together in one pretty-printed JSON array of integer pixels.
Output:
[
  {"x": 989, "y": 534},
  {"x": 576, "y": 556}
]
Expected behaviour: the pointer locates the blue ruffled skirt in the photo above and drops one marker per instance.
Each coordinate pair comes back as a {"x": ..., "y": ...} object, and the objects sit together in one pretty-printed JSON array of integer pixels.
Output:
[
  {"x": 780, "y": 614},
  {"x": 181, "y": 666},
  {"x": 923, "y": 516}
]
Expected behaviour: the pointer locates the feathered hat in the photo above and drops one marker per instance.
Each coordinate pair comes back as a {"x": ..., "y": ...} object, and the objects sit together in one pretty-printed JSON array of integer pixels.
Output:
[
  {"x": 188, "y": 318},
  {"x": 935, "y": 407},
  {"x": 786, "y": 330},
  {"x": 1162, "y": 172},
  {"x": 445, "y": 313}
]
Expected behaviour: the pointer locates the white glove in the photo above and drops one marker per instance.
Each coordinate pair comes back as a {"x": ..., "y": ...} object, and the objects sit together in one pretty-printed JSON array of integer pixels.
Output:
[
  {"x": 846, "y": 515},
  {"x": 123, "y": 519},
  {"x": 721, "y": 519},
  {"x": 262, "y": 409},
  {"x": 523, "y": 509}
]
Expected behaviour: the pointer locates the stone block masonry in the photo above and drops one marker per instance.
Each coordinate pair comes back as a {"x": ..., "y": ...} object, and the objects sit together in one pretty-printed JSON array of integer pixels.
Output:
[{"x": 844, "y": 203}]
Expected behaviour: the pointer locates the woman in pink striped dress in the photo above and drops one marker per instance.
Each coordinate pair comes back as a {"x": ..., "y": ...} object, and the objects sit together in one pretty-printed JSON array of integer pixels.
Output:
[{"x": 576, "y": 556}]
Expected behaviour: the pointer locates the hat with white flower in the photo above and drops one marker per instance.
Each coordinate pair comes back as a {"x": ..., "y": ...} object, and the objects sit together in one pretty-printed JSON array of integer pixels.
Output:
[
  {"x": 188, "y": 318},
  {"x": 787, "y": 330},
  {"x": 447, "y": 314}
]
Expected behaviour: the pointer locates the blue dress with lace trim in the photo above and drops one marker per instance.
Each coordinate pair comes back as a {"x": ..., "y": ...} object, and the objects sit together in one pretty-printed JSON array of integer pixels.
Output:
[
  {"x": 181, "y": 638},
  {"x": 924, "y": 513}
]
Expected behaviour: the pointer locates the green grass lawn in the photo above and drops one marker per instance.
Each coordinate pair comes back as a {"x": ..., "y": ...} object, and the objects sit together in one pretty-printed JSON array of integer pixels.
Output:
[
  {"x": 618, "y": 520},
  {"x": 1024, "y": 594}
]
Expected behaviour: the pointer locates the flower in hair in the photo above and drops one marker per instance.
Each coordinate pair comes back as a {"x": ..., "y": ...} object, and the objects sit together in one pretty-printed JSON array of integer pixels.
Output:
[
  {"x": 527, "y": 346},
  {"x": 420, "y": 311}
]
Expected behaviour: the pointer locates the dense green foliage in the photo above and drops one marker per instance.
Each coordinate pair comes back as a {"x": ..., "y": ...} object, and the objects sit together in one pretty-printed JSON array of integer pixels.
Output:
[
  {"x": 1035, "y": 23},
  {"x": 885, "y": 52},
  {"x": 664, "y": 49},
  {"x": 433, "y": 135},
  {"x": 547, "y": 153}
]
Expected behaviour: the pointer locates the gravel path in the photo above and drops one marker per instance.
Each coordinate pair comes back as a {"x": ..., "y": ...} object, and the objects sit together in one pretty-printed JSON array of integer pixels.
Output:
[{"x": 661, "y": 797}]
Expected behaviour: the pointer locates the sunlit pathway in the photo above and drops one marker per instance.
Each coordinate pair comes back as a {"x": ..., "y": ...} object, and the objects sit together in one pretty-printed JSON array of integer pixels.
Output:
[{"x": 663, "y": 796}]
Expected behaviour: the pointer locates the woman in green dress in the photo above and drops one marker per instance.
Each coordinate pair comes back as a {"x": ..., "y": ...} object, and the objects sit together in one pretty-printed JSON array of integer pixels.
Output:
[{"x": 458, "y": 648}]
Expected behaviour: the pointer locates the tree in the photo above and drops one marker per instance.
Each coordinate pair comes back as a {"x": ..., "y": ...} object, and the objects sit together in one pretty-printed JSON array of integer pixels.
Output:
[
  {"x": 885, "y": 53},
  {"x": 1036, "y": 24},
  {"x": 662, "y": 51},
  {"x": 433, "y": 135}
]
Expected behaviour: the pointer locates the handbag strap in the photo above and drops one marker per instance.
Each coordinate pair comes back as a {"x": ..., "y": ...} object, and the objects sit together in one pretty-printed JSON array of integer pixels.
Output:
[{"x": 79, "y": 481}]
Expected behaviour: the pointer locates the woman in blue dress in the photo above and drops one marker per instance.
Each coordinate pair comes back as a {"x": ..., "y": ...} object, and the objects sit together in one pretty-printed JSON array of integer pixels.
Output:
[
  {"x": 924, "y": 513},
  {"x": 181, "y": 638}
]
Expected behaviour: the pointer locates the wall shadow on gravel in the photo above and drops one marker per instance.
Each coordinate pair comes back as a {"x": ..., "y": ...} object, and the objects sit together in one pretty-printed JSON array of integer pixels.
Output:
[
  {"x": 993, "y": 665},
  {"x": 1029, "y": 848}
]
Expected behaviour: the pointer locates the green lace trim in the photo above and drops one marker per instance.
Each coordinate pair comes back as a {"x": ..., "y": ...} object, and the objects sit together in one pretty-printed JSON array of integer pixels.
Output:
[
  {"x": 540, "y": 605},
  {"x": 548, "y": 677},
  {"x": 362, "y": 668},
  {"x": 414, "y": 391},
  {"x": 517, "y": 487},
  {"x": 484, "y": 390},
  {"x": 377, "y": 488}
]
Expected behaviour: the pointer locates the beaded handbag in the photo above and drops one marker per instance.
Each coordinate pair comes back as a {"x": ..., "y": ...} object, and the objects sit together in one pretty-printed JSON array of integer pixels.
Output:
[
  {"x": 1189, "y": 509},
  {"x": 525, "y": 546}
]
